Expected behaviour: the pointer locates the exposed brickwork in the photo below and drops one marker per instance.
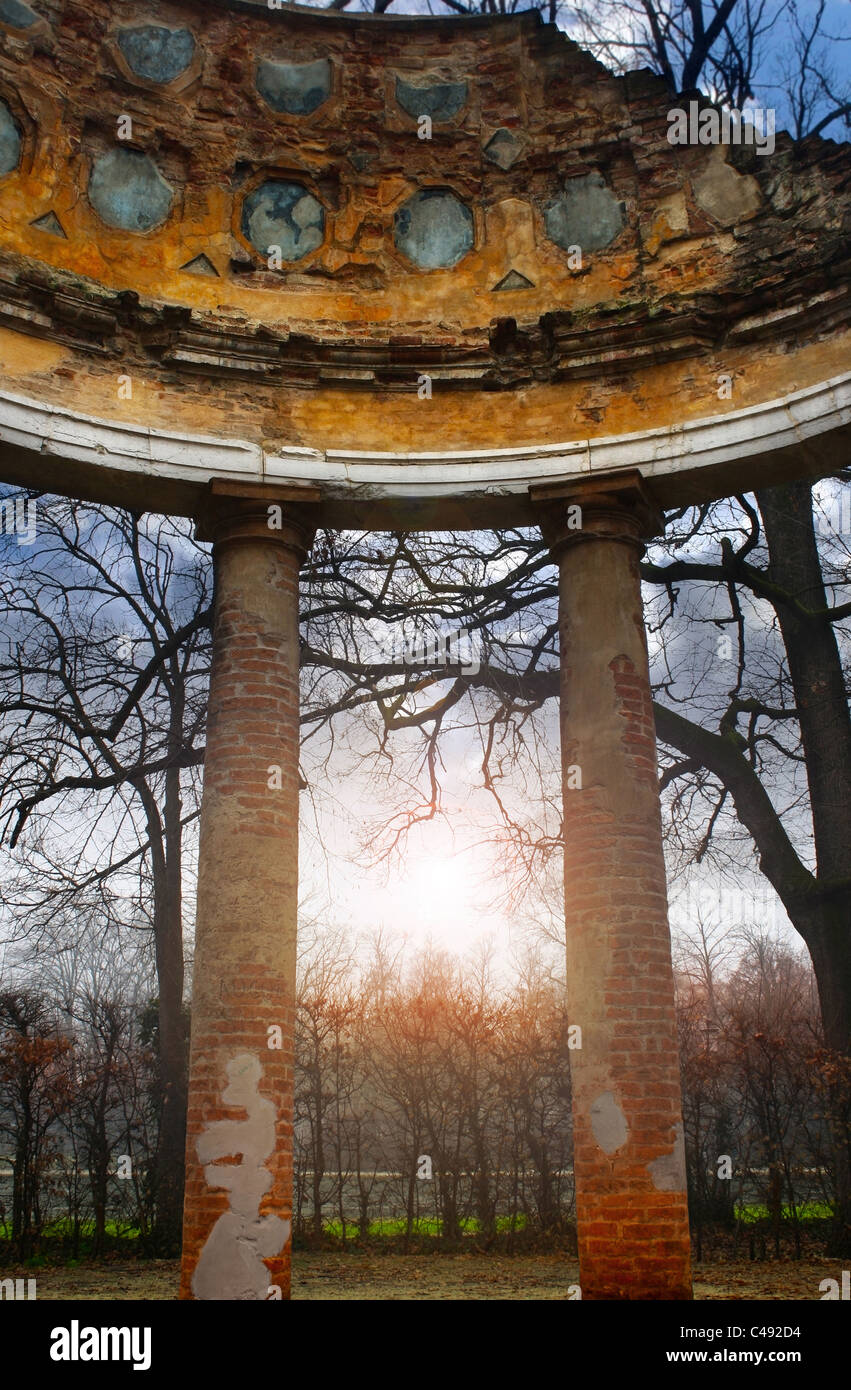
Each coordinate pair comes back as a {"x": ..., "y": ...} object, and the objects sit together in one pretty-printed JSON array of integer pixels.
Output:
[
  {"x": 244, "y": 982},
  {"x": 630, "y": 1179}
]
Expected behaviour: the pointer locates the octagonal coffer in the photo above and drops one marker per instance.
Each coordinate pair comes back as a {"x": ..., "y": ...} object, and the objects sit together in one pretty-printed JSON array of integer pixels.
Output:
[
  {"x": 156, "y": 53},
  {"x": 439, "y": 100},
  {"x": 294, "y": 89},
  {"x": 127, "y": 190},
  {"x": 586, "y": 214},
  {"x": 10, "y": 141},
  {"x": 434, "y": 229},
  {"x": 285, "y": 215}
]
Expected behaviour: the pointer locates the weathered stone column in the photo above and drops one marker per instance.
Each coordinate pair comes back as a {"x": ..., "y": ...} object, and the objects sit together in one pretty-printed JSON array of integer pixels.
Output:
[
  {"x": 238, "y": 1207},
  {"x": 628, "y": 1141}
]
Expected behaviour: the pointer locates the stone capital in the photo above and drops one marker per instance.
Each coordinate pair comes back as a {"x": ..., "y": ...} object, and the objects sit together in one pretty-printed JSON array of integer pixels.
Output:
[
  {"x": 617, "y": 507},
  {"x": 241, "y": 513}
]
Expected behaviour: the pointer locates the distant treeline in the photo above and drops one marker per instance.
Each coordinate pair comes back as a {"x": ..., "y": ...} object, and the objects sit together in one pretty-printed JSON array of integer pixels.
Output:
[{"x": 430, "y": 1105}]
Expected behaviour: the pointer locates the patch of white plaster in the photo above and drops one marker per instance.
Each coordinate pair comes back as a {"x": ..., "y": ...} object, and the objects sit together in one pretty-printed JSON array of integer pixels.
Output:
[
  {"x": 608, "y": 1123},
  {"x": 231, "y": 1265},
  {"x": 668, "y": 1171}
]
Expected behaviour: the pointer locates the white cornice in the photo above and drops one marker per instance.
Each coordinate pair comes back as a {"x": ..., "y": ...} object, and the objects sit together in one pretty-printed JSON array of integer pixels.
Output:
[{"x": 52, "y": 433}]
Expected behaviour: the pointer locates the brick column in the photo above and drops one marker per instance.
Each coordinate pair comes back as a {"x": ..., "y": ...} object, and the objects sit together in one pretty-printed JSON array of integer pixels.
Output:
[
  {"x": 629, "y": 1160},
  {"x": 238, "y": 1205}
]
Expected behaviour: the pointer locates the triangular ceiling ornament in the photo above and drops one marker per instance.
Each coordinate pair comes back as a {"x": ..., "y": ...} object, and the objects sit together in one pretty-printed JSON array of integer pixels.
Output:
[
  {"x": 201, "y": 265},
  {"x": 513, "y": 281},
  {"x": 49, "y": 222}
]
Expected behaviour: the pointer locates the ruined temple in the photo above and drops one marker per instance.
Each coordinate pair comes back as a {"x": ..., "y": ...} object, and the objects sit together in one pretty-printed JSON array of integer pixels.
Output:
[{"x": 390, "y": 273}]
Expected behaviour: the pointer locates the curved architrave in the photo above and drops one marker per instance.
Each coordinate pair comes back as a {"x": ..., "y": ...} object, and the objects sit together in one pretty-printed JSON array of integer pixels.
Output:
[{"x": 805, "y": 433}]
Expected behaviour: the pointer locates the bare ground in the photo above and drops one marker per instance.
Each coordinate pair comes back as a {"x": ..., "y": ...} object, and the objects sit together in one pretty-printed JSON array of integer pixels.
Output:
[{"x": 430, "y": 1277}]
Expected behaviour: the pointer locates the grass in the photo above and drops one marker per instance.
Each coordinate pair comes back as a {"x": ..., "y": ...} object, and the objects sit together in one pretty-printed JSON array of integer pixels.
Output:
[
  {"x": 125, "y": 1242},
  {"x": 55, "y": 1241},
  {"x": 807, "y": 1211},
  {"x": 423, "y": 1226},
  {"x": 64, "y": 1229}
]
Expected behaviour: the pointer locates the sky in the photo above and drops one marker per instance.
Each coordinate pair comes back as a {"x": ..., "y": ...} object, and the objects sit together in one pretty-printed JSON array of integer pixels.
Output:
[{"x": 448, "y": 889}]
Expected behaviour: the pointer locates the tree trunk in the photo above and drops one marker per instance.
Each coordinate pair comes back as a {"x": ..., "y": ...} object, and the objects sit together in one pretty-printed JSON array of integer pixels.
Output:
[
  {"x": 167, "y": 859},
  {"x": 20, "y": 1207},
  {"x": 318, "y": 1148},
  {"x": 829, "y": 941},
  {"x": 818, "y": 905},
  {"x": 818, "y": 681},
  {"x": 98, "y": 1176},
  {"x": 98, "y": 1163}
]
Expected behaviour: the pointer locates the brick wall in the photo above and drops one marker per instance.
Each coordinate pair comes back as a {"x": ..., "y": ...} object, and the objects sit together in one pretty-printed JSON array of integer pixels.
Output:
[
  {"x": 244, "y": 981},
  {"x": 630, "y": 1174}
]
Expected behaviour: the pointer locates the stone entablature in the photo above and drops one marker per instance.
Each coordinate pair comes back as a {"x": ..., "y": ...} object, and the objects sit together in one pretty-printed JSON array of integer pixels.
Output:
[{"x": 805, "y": 433}]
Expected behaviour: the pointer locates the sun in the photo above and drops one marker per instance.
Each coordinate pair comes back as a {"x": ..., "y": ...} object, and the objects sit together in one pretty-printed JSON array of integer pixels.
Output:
[
  {"x": 438, "y": 892},
  {"x": 439, "y": 896}
]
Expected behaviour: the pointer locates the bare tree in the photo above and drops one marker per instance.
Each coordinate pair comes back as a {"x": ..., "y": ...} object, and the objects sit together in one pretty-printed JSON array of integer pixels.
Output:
[
  {"x": 103, "y": 693},
  {"x": 35, "y": 1090}
]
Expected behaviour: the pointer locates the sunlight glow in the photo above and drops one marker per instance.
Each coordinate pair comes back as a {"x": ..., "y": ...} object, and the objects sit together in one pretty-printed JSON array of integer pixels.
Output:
[{"x": 438, "y": 893}]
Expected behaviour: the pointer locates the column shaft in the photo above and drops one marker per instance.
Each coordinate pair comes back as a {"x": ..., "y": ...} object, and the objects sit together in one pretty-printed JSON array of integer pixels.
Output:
[
  {"x": 628, "y": 1139},
  {"x": 238, "y": 1204}
]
